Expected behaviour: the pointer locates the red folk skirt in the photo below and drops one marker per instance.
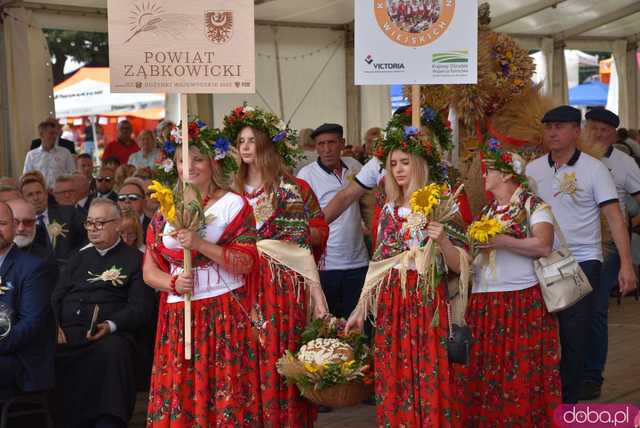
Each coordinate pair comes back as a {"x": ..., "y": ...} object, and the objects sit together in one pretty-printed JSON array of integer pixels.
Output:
[
  {"x": 218, "y": 387},
  {"x": 412, "y": 375},
  {"x": 513, "y": 378},
  {"x": 283, "y": 302}
]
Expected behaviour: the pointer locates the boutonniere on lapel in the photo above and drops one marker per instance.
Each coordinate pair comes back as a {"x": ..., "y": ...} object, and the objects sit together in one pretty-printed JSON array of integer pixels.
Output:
[
  {"x": 5, "y": 287},
  {"x": 56, "y": 229},
  {"x": 114, "y": 275},
  {"x": 568, "y": 184}
]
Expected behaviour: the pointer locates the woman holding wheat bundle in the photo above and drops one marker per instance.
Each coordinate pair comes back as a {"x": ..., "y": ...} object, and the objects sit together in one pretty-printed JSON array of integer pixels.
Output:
[
  {"x": 513, "y": 376},
  {"x": 405, "y": 288},
  {"x": 218, "y": 386}
]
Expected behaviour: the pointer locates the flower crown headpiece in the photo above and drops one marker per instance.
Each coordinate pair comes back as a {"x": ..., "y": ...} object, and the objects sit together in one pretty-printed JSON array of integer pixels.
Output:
[
  {"x": 210, "y": 141},
  {"x": 429, "y": 144},
  {"x": 283, "y": 137},
  {"x": 493, "y": 157}
]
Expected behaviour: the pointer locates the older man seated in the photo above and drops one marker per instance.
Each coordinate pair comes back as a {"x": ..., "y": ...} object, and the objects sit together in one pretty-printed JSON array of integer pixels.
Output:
[
  {"x": 101, "y": 303},
  {"x": 27, "y": 344},
  {"x": 25, "y": 233}
]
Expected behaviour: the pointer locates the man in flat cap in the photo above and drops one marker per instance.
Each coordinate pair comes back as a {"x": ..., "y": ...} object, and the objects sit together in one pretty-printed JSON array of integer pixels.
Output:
[
  {"x": 578, "y": 187},
  {"x": 346, "y": 259},
  {"x": 601, "y": 126}
]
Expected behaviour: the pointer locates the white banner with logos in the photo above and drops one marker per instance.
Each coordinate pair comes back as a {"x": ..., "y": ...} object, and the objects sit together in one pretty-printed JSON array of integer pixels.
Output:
[
  {"x": 182, "y": 46},
  {"x": 416, "y": 42}
]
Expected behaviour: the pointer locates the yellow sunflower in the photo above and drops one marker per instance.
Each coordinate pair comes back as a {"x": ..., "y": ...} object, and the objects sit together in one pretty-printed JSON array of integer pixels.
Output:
[
  {"x": 425, "y": 199},
  {"x": 164, "y": 196},
  {"x": 484, "y": 229}
]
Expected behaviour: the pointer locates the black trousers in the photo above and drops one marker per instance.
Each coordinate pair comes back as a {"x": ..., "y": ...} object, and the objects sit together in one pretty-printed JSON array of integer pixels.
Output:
[
  {"x": 575, "y": 327},
  {"x": 342, "y": 289}
]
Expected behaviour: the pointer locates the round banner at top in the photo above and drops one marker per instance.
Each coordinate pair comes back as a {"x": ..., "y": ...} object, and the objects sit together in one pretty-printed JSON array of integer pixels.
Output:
[{"x": 414, "y": 22}]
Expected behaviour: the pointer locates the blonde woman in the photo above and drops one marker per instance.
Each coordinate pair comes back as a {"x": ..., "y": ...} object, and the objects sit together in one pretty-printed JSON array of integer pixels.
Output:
[
  {"x": 218, "y": 386},
  {"x": 412, "y": 380}
]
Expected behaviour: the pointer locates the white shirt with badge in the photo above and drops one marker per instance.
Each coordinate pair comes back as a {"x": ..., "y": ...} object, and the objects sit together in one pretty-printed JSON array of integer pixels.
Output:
[
  {"x": 52, "y": 164},
  {"x": 371, "y": 174},
  {"x": 625, "y": 172},
  {"x": 575, "y": 191},
  {"x": 345, "y": 247}
]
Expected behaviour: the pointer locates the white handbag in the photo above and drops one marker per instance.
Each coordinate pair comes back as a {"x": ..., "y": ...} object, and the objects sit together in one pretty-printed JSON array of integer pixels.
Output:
[{"x": 562, "y": 281}]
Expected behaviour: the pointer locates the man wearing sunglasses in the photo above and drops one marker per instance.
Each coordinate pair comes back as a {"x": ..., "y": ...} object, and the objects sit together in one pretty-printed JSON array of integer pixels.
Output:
[
  {"x": 131, "y": 197},
  {"x": 104, "y": 184},
  {"x": 25, "y": 232}
]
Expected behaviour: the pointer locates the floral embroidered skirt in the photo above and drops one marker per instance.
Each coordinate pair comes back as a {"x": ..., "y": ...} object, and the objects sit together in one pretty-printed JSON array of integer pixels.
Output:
[
  {"x": 513, "y": 378},
  {"x": 412, "y": 375},
  {"x": 283, "y": 303},
  {"x": 218, "y": 387}
]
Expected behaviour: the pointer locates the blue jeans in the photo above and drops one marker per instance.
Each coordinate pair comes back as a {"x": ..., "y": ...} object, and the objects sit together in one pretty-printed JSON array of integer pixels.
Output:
[
  {"x": 342, "y": 289},
  {"x": 89, "y": 147},
  {"x": 575, "y": 328},
  {"x": 596, "y": 356}
]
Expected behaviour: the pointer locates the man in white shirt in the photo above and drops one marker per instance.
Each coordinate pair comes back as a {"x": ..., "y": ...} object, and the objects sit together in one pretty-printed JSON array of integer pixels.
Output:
[
  {"x": 602, "y": 125},
  {"x": 346, "y": 260},
  {"x": 49, "y": 158},
  {"x": 578, "y": 187}
]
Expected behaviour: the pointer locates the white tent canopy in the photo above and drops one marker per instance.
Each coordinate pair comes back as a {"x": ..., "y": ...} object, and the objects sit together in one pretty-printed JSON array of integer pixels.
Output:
[{"x": 88, "y": 93}]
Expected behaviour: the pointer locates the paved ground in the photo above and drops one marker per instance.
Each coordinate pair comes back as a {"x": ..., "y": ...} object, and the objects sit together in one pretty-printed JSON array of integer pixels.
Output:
[{"x": 622, "y": 374}]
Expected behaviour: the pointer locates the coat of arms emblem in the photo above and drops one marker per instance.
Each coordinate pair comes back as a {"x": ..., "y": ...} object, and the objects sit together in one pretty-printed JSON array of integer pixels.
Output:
[{"x": 219, "y": 25}]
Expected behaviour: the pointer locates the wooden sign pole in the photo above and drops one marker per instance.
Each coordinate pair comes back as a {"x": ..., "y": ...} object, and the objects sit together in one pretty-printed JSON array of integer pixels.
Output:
[
  {"x": 415, "y": 106},
  {"x": 186, "y": 253}
]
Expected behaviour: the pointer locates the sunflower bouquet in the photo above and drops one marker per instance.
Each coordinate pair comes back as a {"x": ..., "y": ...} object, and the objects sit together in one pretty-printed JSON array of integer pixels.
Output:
[
  {"x": 179, "y": 213},
  {"x": 482, "y": 230},
  {"x": 330, "y": 367}
]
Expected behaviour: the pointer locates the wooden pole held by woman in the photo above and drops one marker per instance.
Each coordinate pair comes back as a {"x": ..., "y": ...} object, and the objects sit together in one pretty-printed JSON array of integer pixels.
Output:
[{"x": 186, "y": 253}]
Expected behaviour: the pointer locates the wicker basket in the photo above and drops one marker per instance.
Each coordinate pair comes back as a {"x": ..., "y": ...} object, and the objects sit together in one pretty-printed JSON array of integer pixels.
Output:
[{"x": 344, "y": 395}]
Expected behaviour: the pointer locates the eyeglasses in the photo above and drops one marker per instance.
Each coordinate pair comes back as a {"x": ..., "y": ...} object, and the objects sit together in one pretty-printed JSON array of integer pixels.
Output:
[
  {"x": 98, "y": 224},
  {"x": 131, "y": 197},
  {"x": 26, "y": 222},
  {"x": 101, "y": 179},
  {"x": 64, "y": 192}
]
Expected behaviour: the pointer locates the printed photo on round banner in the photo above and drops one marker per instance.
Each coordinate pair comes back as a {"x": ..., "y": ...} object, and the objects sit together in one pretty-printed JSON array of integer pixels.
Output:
[{"x": 414, "y": 22}]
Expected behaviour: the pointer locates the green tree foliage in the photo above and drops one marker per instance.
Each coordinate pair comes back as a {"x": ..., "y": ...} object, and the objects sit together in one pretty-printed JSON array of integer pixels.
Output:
[{"x": 82, "y": 46}]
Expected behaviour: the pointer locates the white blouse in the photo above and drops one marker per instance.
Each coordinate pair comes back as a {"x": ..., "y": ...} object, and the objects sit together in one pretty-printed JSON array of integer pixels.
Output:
[
  {"x": 211, "y": 280},
  {"x": 512, "y": 271}
]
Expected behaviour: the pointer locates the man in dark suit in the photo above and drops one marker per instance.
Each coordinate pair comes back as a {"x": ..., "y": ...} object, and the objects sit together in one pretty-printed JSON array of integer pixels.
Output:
[
  {"x": 58, "y": 228},
  {"x": 83, "y": 196},
  {"x": 100, "y": 303},
  {"x": 67, "y": 144},
  {"x": 25, "y": 232},
  {"x": 27, "y": 351}
]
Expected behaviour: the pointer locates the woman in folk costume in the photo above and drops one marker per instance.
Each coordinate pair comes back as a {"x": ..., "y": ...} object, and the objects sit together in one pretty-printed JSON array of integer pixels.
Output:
[
  {"x": 291, "y": 228},
  {"x": 513, "y": 376},
  {"x": 219, "y": 385},
  {"x": 405, "y": 292}
]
